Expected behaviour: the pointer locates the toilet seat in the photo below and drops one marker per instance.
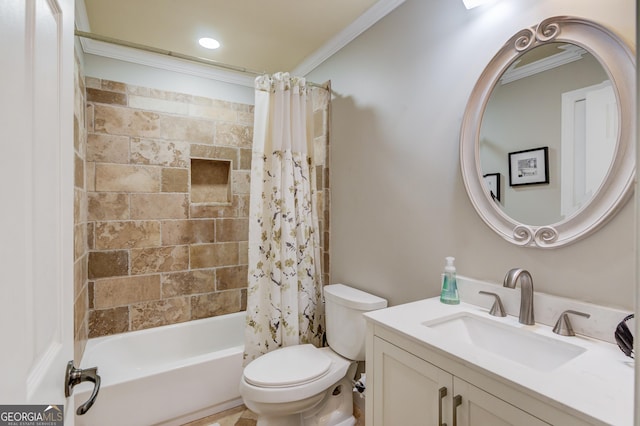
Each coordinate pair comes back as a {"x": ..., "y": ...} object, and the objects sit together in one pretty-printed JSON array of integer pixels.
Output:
[
  {"x": 338, "y": 367},
  {"x": 289, "y": 366}
]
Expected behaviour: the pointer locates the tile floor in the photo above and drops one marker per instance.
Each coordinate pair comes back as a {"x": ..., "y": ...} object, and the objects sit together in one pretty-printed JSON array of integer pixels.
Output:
[
  {"x": 242, "y": 416},
  {"x": 238, "y": 416}
]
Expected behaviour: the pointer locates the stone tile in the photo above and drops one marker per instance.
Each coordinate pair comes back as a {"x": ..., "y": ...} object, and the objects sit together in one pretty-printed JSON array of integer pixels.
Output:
[
  {"x": 137, "y": 90},
  {"x": 213, "y": 255},
  {"x": 187, "y": 283},
  {"x": 174, "y": 180},
  {"x": 105, "y": 322},
  {"x": 79, "y": 205},
  {"x": 159, "y": 259},
  {"x": 78, "y": 172},
  {"x": 160, "y": 105},
  {"x": 79, "y": 240},
  {"x": 80, "y": 274},
  {"x": 232, "y": 230},
  {"x": 160, "y": 152},
  {"x": 215, "y": 153},
  {"x": 232, "y": 277},
  {"x": 114, "y": 86},
  {"x": 237, "y": 135},
  {"x": 104, "y": 148},
  {"x": 175, "y": 232},
  {"x": 90, "y": 117},
  {"x": 90, "y": 288},
  {"x": 320, "y": 150},
  {"x": 92, "y": 82},
  {"x": 245, "y": 159},
  {"x": 214, "y": 304},
  {"x": 104, "y": 264},
  {"x": 210, "y": 211},
  {"x": 159, "y": 312},
  {"x": 112, "y": 292},
  {"x": 127, "y": 178},
  {"x": 127, "y": 234},
  {"x": 241, "y": 203},
  {"x": 243, "y": 299},
  {"x": 80, "y": 309},
  {"x": 245, "y": 118},
  {"x": 213, "y": 112},
  {"x": 187, "y": 129},
  {"x": 108, "y": 206},
  {"x": 159, "y": 206},
  {"x": 243, "y": 252},
  {"x": 210, "y": 181},
  {"x": 90, "y": 235},
  {"x": 77, "y": 135},
  {"x": 117, "y": 120},
  {"x": 106, "y": 97},
  {"x": 90, "y": 176},
  {"x": 171, "y": 96},
  {"x": 241, "y": 182}
]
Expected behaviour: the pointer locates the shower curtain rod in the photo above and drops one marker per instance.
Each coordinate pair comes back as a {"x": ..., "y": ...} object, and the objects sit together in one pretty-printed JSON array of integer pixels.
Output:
[{"x": 151, "y": 49}]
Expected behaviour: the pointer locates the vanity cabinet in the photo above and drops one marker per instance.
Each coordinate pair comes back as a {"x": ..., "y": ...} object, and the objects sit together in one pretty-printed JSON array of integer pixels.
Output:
[
  {"x": 408, "y": 390},
  {"x": 409, "y": 384}
]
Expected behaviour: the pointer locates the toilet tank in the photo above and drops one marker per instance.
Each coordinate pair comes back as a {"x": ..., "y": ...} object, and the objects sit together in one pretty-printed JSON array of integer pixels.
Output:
[{"x": 346, "y": 327}]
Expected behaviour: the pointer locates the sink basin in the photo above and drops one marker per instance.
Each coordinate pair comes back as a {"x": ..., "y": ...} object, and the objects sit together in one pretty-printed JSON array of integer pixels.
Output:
[{"x": 518, "y": 345}]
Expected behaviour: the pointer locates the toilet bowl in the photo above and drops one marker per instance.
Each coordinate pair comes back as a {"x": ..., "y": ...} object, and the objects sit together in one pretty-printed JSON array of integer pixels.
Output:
[{"x": 307, "y": 386}]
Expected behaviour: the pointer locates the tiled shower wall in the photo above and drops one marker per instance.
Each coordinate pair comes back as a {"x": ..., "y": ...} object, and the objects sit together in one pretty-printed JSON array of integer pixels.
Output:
[
  {"x": 167, "y": 204},
  {"x": 81, "y": 246}
]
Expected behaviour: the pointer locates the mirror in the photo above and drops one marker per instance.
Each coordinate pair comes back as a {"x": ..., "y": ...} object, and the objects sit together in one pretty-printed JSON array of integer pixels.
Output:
[{"x": 550, "y": 127}]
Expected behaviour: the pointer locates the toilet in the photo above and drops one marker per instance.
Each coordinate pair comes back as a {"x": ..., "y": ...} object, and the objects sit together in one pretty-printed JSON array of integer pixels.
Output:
[{"x": 307, "y": 386}]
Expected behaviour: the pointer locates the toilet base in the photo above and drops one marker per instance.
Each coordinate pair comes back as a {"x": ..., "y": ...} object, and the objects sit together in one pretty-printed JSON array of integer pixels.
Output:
[{"x": 334, "y": 409}]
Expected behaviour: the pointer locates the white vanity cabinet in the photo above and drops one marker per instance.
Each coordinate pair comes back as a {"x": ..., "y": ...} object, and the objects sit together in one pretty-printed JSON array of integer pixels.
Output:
[{"x": 410, "y": 384}]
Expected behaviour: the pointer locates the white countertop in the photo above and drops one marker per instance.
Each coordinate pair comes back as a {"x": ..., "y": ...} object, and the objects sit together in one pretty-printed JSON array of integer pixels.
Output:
[{"x": 599, "y": 382}]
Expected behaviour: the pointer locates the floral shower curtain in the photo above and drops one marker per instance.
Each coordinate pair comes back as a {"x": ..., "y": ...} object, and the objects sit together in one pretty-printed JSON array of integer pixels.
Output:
[{"x": 284, "y": 297}]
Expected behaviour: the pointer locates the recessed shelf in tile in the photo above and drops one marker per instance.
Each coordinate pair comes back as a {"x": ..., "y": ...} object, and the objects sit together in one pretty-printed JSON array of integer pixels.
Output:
[{"x": 210, "y": 181}]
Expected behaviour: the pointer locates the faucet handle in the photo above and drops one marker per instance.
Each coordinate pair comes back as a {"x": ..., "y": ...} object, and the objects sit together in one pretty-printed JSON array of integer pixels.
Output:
[
  {"x": 497, "y": 310},
  {"x": 563, "y": 325}
]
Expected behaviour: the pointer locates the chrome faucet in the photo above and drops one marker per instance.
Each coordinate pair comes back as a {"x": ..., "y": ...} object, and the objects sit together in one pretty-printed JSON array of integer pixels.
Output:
[{"x": 526, "y": 295}]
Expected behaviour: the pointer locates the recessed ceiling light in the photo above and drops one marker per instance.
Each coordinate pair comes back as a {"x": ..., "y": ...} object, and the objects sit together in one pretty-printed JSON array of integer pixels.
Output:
[
  {"x": 209, "y": 43},
  {"x": 470, "y": 4}
]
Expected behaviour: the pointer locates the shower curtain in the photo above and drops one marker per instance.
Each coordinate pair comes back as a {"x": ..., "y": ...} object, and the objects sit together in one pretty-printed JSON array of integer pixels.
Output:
[{"x": 284, "y": 296}]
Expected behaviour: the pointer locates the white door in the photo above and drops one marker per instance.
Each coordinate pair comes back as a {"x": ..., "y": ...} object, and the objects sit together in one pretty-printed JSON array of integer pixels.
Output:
[{"x": 36, "y": 193}]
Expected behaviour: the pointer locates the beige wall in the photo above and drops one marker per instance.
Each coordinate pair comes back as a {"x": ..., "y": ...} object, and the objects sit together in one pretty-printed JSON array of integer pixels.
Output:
[{"x": 398, "y": 201}]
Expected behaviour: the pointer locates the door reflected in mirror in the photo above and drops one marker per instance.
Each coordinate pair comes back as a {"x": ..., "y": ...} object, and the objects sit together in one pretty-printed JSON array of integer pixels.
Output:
[{"x": 559, "y": 96}]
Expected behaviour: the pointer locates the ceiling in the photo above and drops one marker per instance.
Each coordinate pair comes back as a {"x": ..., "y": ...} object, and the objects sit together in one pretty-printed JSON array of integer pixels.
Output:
[{"x": 265, "y": 36}]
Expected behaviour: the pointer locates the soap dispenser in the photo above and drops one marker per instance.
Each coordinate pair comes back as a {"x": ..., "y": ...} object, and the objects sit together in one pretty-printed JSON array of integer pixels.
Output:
[{"x": 449, "y": 294}]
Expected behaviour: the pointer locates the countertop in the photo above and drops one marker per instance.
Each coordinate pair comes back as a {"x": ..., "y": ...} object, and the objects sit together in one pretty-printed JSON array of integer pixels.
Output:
[{"x": 598, "y": 383}]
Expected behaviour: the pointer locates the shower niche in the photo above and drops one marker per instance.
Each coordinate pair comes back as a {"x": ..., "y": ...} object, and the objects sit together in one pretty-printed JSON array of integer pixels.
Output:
[{"x": 210, "y": 181}]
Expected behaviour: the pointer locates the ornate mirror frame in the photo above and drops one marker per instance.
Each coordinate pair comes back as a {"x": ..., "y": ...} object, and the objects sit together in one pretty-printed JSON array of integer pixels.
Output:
[{"x": 618, "y": 60}]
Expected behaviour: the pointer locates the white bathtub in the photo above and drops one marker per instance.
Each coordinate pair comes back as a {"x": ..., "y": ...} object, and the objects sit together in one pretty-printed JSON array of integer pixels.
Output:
[{"x": 166, "y": 375}]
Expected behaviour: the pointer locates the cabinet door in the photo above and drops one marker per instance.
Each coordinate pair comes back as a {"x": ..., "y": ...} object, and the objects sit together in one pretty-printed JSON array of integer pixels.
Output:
[
  {"x": 406, "y": 389},
  {"x": 479, "y": 408}
]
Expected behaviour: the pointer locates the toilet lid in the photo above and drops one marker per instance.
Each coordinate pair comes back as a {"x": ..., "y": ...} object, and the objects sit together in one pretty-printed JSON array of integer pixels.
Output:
[{"x": 293, "y": 365}]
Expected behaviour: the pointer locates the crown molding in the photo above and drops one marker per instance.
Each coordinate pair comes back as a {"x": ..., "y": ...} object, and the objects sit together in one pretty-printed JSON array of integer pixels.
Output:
[
  {"x": 376, "y": 12},
  {"x": 570, "y": 53},
  {"x": 357, "y": 27}
]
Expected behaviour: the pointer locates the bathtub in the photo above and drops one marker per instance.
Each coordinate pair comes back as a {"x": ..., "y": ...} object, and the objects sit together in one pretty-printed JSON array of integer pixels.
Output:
[{"x": 167, "y": 375}]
